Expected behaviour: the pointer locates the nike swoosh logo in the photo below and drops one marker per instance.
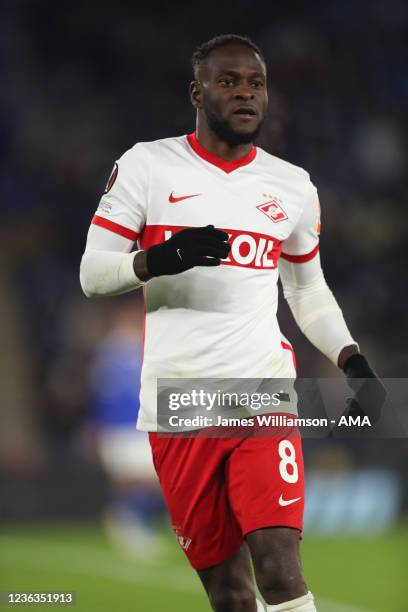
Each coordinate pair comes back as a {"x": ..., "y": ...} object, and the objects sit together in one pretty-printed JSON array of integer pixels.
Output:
[
  {"x": 173, "y": 199},
  {"x": 287, "y": 502}
]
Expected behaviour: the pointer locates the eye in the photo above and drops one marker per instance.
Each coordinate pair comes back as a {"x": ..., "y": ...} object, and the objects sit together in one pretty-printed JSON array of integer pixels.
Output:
[
  {"x": 257, "y": 84},
  {"x": 226, "y": 81}
]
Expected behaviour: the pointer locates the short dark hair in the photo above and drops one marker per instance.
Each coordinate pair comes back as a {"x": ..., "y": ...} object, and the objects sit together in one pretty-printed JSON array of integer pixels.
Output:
[{"x": 222, "y": 40}]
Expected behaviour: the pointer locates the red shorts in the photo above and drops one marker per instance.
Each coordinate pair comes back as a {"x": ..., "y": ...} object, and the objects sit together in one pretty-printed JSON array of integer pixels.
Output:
[{"x": 219, "y": 489}]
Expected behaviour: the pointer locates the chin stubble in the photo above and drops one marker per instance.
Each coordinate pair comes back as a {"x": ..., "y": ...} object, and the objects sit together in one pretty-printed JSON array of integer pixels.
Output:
[{"x": 223, "y": 130}]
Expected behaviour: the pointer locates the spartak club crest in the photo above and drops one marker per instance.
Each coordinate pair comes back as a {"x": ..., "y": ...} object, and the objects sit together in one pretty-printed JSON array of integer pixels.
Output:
[{"x": 273, "y": 210}]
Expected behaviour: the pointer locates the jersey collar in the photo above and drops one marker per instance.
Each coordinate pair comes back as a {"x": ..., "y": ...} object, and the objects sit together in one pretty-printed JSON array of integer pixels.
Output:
[{"x": 226, "y": 166}]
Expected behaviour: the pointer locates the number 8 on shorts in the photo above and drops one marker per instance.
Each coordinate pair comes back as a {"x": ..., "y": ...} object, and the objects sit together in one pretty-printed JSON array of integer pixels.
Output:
[{"x": 288, "y": 468}]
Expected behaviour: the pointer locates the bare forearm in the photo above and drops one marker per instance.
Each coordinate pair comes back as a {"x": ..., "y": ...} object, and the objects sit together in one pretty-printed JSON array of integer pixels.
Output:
[
  {"x": 345, "y": 353},
  {"x": 140, "y": 266}
]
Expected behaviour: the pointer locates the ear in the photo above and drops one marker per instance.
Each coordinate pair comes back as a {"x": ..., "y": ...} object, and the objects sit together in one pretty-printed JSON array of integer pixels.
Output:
[{"x": 195, "y": 94}]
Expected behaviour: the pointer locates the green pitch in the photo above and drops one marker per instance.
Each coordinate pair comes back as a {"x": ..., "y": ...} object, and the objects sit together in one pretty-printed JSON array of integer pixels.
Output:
[{"x": 346, "y": 575}]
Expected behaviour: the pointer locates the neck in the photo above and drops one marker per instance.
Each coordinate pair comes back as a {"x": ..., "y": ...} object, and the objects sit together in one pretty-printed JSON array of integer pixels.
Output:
[{"x": 213, "y": 144}]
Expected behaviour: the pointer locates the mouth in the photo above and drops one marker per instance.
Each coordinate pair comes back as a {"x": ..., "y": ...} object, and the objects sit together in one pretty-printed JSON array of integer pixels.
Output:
[{"x": 245, "y": 112}]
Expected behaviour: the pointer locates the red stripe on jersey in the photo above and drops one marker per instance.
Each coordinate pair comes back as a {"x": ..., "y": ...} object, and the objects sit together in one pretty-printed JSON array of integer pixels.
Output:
[
  {"x": 115, "y": 228},
  {"x": 227, "y": 166},
  {"x": 301, "y": 258},
  {"x": 289, "y": 347},
  {"x": 248, "y": 249}
]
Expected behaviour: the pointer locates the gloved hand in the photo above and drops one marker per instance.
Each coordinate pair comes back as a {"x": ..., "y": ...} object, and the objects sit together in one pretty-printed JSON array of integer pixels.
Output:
[
  {"x": 195, "y": 246},
  {"x": 369, "y": 392}
]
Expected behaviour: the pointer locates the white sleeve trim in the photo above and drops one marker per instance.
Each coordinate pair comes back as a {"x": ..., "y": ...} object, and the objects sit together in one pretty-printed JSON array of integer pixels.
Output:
[
  {"x": 314, "y": 307},
  {"x": 108, "y": 273},
  {"x": 107, "y": 266}
]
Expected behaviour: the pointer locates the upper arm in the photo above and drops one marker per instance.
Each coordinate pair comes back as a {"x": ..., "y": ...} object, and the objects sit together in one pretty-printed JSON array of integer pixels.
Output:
[
  {"x": 123, "y": 207},
  {"x": 303, "y": 243},
  {"x": 101, "y": 239},
  {"x": 298, "y": 277}
]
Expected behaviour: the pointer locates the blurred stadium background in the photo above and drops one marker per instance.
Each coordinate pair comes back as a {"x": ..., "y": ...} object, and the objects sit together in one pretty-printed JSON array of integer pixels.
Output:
[{"x": 81, "y": 83}]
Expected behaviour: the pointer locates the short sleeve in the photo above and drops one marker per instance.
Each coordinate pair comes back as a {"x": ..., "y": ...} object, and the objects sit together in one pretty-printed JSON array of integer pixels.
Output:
[
  {"x": 122, "y": 208},
  {"x": 303, "y": 243}
]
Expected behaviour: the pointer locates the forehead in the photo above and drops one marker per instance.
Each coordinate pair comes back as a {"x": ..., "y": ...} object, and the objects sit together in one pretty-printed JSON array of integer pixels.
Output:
[{"x": 234, "y": 57}]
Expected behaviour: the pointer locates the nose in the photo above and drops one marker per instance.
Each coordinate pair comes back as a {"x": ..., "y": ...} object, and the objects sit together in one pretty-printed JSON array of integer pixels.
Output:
[{"x": 244, "y": 94}]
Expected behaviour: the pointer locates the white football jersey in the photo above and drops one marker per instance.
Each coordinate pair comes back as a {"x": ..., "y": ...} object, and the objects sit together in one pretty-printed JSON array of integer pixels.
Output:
[{"x": 212, "y": 322}]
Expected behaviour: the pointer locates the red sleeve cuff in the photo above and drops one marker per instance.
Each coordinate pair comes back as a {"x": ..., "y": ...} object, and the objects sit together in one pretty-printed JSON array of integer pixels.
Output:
[
  {"x": 301, "y": 258},
  {"x": 116, "y": 228}
]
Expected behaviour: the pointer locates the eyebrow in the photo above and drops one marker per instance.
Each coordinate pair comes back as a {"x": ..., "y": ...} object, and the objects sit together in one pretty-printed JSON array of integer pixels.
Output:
[{"x": 232, "y": 72}]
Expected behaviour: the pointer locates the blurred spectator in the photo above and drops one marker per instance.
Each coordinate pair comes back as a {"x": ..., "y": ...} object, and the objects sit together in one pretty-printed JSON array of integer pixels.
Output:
[{"x": 135, "y": 502}]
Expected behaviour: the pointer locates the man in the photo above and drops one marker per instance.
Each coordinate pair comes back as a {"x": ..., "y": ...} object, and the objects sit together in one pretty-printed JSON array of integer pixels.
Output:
[{"x": 215, "y": 217}]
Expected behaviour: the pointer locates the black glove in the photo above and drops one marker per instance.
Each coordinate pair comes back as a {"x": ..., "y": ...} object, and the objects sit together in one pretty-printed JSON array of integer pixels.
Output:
[
  {"x": 195, "y": 246},
  {"x": 369, "y": 391}
]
